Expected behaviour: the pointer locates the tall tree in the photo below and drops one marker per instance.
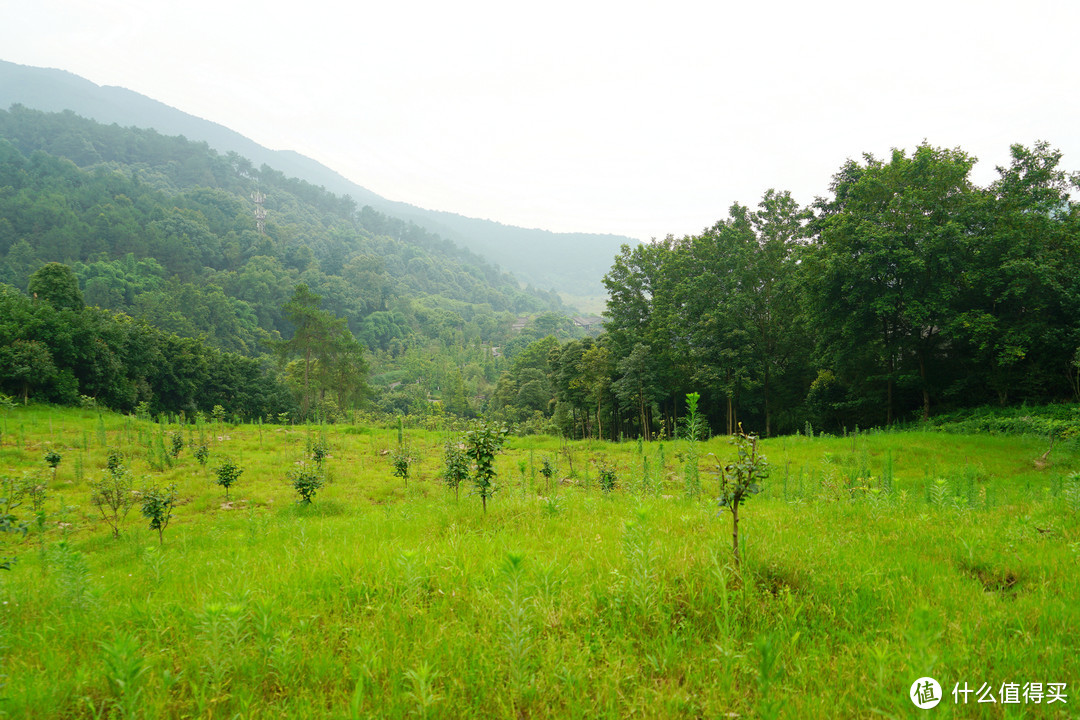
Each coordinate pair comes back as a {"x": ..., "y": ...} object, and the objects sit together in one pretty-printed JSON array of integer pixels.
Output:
[
  {"x": 1018, "y": 307},
  {"x": 56, "y": 284},
  {"x": 314, "y": 331},
  {"x": 886, "y": 265},
  {"x": 331, "y": 355}
]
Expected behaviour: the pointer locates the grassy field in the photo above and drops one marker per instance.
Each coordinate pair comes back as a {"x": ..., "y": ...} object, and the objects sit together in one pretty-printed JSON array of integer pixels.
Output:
[{"x": 868, "y": 562}]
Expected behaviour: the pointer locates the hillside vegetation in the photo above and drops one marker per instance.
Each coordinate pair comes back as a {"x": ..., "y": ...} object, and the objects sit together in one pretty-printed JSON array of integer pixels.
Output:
[
  {"x": 868, "y": 561},
  {"x": 164, "y": 230},
  {"x": 572, "y": 263}
]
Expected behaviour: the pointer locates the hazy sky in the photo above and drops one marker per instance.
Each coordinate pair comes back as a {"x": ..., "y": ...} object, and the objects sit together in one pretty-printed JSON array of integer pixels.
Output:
[{"x": 636, "y": 118}]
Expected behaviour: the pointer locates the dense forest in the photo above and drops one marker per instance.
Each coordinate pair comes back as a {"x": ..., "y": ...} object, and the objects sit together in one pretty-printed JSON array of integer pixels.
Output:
[
  {"x": 907, "y": 292},
  {"x": 571, "y": 263},
  {"x": 164, "y": 230}
]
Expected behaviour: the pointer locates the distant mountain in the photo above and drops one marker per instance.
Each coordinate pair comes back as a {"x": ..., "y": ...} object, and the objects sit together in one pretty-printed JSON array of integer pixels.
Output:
[{"x": 572, "y": 263}]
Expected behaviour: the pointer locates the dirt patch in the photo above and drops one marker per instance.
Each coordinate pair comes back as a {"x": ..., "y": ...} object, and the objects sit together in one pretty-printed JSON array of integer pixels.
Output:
[{"x": 996, "y": 580}]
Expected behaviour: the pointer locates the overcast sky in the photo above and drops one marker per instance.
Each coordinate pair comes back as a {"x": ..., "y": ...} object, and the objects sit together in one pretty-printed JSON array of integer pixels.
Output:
[{"x": 634, "y": 118}]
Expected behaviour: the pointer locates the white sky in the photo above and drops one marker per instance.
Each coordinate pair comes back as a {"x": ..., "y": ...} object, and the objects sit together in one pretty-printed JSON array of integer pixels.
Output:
[{"x": 635, "y": 118}]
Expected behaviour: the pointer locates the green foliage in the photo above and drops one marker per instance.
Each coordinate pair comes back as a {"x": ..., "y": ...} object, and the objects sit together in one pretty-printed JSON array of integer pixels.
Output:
[
  {"x": 456, "y": 467},
  {"x": 114, "y": 460},
  {"x": 201, "y": 453},
  {"x": 607, "y": 475},
  {"x": 695, "y": 430},
  {"x": 125, "y": 667},
  {"x": 14, "y": 491},
  {"x": 320, "y": 449},
  {"x": 157, "y": 507},
  {"x": 53, "y": 458},
  {"x": 402, "y": 460},
  {"x": 641, "y": 575},
  {"x": 56, "y": 284},
  {"x": 483, "y": 442},
  {"x": 1071, "y": 492},
  {"x": 547, "y": 469},
  {"x": 306, "y": 481},
  {"x": 112, "y": 495},
  {"x": 228, "y": 472},
  {"x": 176, "y": 438},
  {"x": 740, "y": 480}
]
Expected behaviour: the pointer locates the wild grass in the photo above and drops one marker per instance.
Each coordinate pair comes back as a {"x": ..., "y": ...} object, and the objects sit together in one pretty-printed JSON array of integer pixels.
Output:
[{"x": 868, "y": 561}]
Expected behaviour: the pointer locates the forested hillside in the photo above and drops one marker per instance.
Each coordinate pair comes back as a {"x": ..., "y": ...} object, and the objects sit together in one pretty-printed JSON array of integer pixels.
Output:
[
  {"x": 165, "y": 230},
  {"x": 572, "y": 263},
  {"x": 908, "y": 292}
]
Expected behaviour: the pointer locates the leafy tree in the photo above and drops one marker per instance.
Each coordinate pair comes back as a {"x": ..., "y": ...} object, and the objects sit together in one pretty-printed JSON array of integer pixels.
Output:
[
  {"x": 53, "y": 458},
  {"x": 637, "y": 386},
  {"x": 329, "y": 352},
  {"x": 112, "y": 495},
  {"x": 157, "y": 507},
  {"x": 483, "y": 442},
  {"x": 228, "y": 472},
  {"x": 1015, "y": 302},
  {"x": 740, "y": 479},
  {"x": 455, "y": 465},
  {"x": 56, "y": 284},
  {"x": 12, "y": 493},
  {"x": 887, "y": 257},
  {"x": 306, "y": 481},
  {"x": 771, "y": 308}
]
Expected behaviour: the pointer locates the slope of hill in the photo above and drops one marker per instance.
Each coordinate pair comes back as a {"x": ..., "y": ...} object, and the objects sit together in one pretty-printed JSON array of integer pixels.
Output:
[
  {"x": 572, "y": 263},
  {"x": 165, "y": 228}
]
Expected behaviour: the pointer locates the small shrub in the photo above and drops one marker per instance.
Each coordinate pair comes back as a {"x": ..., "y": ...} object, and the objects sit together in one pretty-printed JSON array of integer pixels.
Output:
[
  {"x": 157, "y": 506},
  {"x": 484, "y": 442},
  {"x": 455, "y": 465},
  {"x": 177, "y": 443},
  {"x": 694, "y": 432},
  {"x": 53, "y": 458},
  {"x": 319, "y": 451},
  {"x": 607, "y": 476},
  {"x": 114, "y": 460},
  {"x": 739, "y": 480},
  {"x": 202, "y": 453},
  {"x": 112, "y": 496},
  {"x": 547, "y": 469},
  {"x": 401, "y": 461},
  {"x": 227, "y": 473},
  {"x": 306, "y": 481},
  {"x": 13, "y": 493}
]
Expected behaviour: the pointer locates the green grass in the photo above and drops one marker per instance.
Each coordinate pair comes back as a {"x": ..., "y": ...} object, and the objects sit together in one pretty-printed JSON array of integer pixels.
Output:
[{"x": 386, "y": 602}]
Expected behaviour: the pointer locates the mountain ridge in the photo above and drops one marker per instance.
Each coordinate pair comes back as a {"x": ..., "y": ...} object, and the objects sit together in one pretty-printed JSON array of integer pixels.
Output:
[{"x": 572, "y": 263}]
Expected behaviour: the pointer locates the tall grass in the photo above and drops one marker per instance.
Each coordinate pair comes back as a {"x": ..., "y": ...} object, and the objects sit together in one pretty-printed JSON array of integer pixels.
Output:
[{"x": 379, "y": 600}]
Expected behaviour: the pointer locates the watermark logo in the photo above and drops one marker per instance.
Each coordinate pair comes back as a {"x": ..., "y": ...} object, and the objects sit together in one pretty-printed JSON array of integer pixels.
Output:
[{"x": 925, "y": 693}]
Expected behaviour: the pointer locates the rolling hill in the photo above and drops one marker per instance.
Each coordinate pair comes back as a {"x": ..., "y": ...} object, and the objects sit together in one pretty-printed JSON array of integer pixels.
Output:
[{"x": 570, "y": 263}]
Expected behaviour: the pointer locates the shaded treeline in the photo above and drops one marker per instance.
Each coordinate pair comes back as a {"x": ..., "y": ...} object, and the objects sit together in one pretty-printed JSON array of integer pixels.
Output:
[{"x": 908, "y": 290}]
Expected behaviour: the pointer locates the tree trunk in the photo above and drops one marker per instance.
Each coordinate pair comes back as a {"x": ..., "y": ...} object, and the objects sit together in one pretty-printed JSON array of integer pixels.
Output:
[
  {"x": 925, "y": 389},
  {"x": 735, "y": 532},
  {"x": 766, "y": 389},
  {"x": 307, "y": 386},
  {"x": 641, "y": 409}
]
